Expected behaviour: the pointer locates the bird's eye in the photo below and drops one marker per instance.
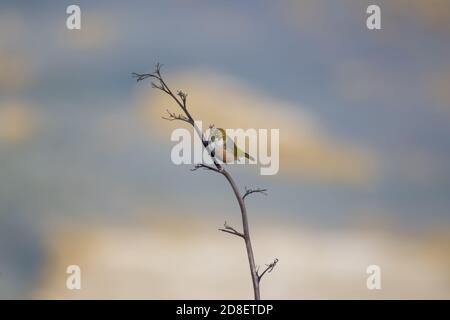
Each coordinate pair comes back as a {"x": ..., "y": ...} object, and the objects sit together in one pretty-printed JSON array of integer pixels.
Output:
[{"x": 213, "y": 138}]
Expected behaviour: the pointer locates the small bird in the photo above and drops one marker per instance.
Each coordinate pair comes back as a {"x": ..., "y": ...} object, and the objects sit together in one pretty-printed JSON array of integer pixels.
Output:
[{"x": 224, "y": 147}]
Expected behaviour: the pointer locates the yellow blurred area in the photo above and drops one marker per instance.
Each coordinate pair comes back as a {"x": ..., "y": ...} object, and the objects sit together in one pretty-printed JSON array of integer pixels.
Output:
[
  {"x": 432, "y": 13},
  {"x": 189, "y": 259},
  {"x": 17, "y": 122},
  {"x": 15, "y": 71},
  {"x": 307, "y": 150}
]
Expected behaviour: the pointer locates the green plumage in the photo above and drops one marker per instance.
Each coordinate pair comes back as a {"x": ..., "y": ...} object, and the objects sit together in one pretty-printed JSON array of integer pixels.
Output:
[{"x": 228, "y": 146}]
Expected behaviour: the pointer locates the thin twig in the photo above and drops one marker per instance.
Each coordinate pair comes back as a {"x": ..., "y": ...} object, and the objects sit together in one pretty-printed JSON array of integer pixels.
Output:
[
  {"x": 172, "y": 116},
  {"x": 231, "y": 230},
  {"x": 206, "y": 167},
  {"x": 256, "y": 190},
  {"x": 269, "y": 268}
]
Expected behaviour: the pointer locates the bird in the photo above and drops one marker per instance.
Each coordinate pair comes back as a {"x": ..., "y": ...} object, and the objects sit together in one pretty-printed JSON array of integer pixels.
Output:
[{"x": 224, "y": 147}]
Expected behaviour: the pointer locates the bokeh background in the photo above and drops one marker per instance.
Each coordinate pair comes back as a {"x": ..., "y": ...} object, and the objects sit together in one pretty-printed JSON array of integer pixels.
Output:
[{"x": 85, "y": 170}]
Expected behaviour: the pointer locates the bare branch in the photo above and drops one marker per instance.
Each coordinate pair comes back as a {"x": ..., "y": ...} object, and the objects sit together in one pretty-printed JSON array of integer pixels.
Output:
[
  {"x": 206, "y": 167},
  {"x": 256, "y": 190},
  {"x": 181, "y": 100},
  {"x": 158, "y": 68},
  {"x": 158, "y": 86},
  {"x": 140, "y": 77},
  {"x": 231, "y": 230},
  {"x": 183, "y": 97},
  {"x": 269, "y": 268},
  {"x": 172, "y": 116}
]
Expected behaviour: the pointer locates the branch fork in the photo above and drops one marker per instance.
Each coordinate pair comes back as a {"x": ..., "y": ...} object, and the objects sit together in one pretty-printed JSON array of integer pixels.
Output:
[
  {"x": 172, "y": 116},
  {"x": 268, "y": 269},
  {"x": 206, "y": 167},
  {"x": 256, "y": 190},
  {"x": 231, "y": 230}
]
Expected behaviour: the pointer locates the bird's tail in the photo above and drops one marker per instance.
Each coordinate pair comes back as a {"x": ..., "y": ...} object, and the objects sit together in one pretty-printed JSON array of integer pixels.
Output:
[{"x": 249, "y": 156}]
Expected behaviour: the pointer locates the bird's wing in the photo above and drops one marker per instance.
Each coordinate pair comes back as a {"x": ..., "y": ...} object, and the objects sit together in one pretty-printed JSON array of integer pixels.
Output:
[
  {"x": 230, "y": 146},
  {"x": 238, "y": 152}
]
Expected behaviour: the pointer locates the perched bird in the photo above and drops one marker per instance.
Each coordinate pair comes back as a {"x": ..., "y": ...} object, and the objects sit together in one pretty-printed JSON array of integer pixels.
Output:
[{"x": 224, "y": 147}]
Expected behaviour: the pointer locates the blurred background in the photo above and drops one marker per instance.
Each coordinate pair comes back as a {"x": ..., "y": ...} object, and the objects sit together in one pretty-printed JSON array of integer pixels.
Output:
[{"x": 85, "y": 170}]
